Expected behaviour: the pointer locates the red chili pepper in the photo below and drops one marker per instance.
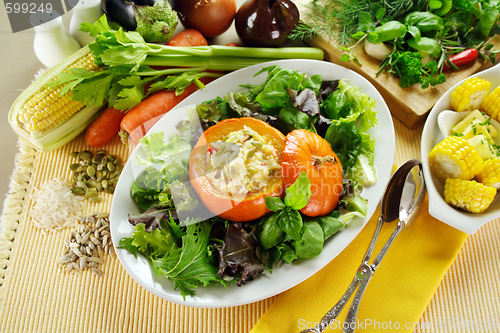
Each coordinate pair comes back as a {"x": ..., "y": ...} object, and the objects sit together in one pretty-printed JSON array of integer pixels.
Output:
[{"x": 462, "y": 58}]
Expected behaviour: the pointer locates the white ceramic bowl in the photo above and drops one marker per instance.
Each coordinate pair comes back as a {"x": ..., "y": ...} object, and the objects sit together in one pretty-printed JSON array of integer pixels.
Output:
[{"x": 466, "y": 222}]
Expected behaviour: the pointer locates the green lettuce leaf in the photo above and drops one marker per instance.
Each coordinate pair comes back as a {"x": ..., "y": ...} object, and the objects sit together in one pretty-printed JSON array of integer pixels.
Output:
[{"x": 193, "y": 265}]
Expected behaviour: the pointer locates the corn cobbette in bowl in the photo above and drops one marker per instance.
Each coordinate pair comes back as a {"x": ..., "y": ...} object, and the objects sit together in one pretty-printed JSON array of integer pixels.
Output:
[{"x": 467, "y": 160}]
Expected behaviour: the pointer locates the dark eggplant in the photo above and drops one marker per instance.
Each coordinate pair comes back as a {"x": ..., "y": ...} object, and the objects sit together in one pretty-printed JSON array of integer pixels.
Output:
[
  {"x": 266, "y": 23},
  {"x": 122, "y": 12}
]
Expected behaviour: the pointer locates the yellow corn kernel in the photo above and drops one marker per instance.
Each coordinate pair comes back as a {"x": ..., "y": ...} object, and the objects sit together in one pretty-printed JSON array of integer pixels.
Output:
[
  {"x": 468, "y": 195},
  {"x": 470, "y": 94},
  {"x": 454, "y": 157},
  {"x": 489, "y": 173},
  {"x": 47, "y": 109},
  {"x": 491, "y": 104}
]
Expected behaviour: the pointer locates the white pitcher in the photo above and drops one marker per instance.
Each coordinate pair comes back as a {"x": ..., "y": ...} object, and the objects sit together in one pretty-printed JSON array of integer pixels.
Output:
[
  {"x": 52, "y": 43},
  {"x": 88, "y": 11}
]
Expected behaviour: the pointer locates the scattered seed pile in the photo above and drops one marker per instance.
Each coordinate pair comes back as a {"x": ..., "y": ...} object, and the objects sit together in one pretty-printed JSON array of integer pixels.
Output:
[
  {"x": 92, "y": 174},
  {"x": 88, "y": 244},
  {"x": 55, "y": 206}
]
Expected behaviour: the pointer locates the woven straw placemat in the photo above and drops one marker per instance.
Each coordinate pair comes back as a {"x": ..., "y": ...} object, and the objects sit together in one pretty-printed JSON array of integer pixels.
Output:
[{"x": 38, "y": 295}]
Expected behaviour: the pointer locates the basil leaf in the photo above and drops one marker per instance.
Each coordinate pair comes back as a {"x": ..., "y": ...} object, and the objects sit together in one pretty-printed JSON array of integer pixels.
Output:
[
  {"x": 425, "y": 21},
  {"x": 330, "y": 224},
  {"x": 291, "y": 118},
  {"x": 291, "y": 222},
  {"x": 488, "y": 18},
  {"x": 275, "y": 204},
  {"x": 445, "y": 7},
  {"x": 269, "y": 232},
  {"x": 287, "y": 253},
  {"x": 415, "y": 32},
  {"x": 389, "y": 31},
  {"x": 311, "y": 243},
  {"x": 426, "y": 44},
  {"x": 298, "y": 194}
]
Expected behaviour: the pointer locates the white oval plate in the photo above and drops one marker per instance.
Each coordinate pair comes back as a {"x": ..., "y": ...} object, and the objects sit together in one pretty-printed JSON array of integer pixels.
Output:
[
  {"x": 286, "y": 276},
  {"x": 431, "y": 135}
]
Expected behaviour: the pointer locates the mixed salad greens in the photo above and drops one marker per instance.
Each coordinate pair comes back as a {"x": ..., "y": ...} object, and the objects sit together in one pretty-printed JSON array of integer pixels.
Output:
[{"x": 191, "y": 250}]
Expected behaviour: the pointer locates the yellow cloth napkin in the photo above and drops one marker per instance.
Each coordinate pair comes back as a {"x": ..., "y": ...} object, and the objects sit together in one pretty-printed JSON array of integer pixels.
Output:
[{"x": 398, "y": 292}]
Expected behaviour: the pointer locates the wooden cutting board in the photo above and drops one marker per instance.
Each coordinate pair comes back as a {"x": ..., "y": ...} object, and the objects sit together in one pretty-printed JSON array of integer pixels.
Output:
[{"x": 410, "y": 105}]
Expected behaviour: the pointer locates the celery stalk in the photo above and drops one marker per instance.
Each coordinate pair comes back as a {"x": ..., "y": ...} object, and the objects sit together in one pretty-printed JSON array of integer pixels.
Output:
[{"x": 225, "y": 63}]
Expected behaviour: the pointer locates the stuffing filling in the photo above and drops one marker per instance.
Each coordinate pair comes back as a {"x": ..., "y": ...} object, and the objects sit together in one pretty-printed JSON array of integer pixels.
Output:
[{"x": 242, "y": 163}]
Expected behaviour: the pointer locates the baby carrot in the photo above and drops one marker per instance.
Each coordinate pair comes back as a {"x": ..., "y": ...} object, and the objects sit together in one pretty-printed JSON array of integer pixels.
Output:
[
  {"x": 104, "y": 127},
  {"x": 143, "y": 116}
]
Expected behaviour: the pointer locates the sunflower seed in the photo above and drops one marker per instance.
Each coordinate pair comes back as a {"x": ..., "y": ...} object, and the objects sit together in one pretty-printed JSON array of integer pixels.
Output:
[
  {"x": 96, "y": 271},
  {"x": 76, "y": 251},
  {"x": 86, "y": 246},
  {"x": 102, "y": 216},
  {"x": 83, "y": 262},
  {"x": 96, "y": 259}
]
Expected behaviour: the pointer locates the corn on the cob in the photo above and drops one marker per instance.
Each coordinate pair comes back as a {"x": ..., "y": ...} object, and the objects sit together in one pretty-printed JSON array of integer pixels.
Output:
[
  {"x": 491, "y": 104},
  {"x": 470, "y": 94},
  {"x": 454, "y": 157},
  {"x": 489, "y": 173},
  {"x": 468, "y": 195},
  {"x": 47, "y": 120}
]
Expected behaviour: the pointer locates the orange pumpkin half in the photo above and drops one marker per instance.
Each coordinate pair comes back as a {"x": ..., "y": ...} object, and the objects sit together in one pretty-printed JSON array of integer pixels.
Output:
[
  {"x": 205, "y": 176},
  {"x": 309, "y": 152}
]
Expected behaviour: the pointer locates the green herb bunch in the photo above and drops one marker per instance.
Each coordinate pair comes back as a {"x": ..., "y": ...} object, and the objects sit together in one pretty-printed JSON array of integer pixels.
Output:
[{"x": 422, "y": 34}]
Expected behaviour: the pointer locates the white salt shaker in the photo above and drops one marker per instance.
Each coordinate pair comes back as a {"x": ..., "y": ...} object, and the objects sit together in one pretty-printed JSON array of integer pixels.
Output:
[
  {"x": 88, "y": 11},
  {"x": 52, "y": 43}
]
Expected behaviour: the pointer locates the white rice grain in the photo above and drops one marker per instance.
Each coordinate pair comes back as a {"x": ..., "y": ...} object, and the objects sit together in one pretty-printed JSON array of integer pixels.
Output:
[{"x": 55, "y": 206}]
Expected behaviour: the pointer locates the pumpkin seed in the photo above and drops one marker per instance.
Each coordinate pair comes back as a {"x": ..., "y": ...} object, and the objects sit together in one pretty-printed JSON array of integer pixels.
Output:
[
  {"x": 74, "y": 166},
  {"x": 85, "y": 155},
  {"x": 74, "y": 154},
  {"x": 98, "y": 158},
  {"x": 256, "y": 144},
  {"x": 94, "y": 173},
  {"x": 91, "y": 171},
  {"x": 111, "y": 166},
  {"x": 91, "y": 192},
  {"x": 81, "y": 184}
]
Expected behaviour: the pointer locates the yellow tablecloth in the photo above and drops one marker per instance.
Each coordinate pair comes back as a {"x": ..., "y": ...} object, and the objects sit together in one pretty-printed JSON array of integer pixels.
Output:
[{"x": 37, "y": 295}]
